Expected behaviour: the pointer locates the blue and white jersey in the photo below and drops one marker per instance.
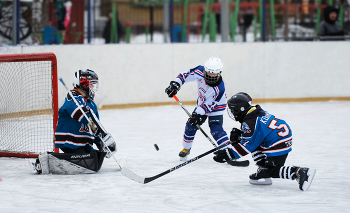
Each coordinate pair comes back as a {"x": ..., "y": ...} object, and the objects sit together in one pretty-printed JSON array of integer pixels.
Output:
[
  {"x": 72, "y": 127},
  {"x": 264, "y": 131},
  {"x": 211, "y": 100}
]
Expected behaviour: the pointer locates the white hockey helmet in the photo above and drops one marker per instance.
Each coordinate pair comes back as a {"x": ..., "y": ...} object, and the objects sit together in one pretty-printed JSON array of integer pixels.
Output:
[
  {"x": 86, "y": 80},
  {"x": 212, "y": 66}
]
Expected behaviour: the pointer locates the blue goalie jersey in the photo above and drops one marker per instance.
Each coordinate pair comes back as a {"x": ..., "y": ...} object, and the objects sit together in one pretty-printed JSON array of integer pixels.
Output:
[
  {"x": 72, "y": 128},
  {"x": 265, "y": 132}
]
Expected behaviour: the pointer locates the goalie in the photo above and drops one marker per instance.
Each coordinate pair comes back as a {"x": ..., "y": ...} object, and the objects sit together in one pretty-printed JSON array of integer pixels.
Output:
[{"x": 77, "y": 130}]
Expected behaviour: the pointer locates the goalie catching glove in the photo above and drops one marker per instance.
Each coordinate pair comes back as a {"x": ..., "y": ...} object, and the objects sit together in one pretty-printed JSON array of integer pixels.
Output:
[
  {"x": 223, "y": 155},
  {"x": 107, "y": 141}
]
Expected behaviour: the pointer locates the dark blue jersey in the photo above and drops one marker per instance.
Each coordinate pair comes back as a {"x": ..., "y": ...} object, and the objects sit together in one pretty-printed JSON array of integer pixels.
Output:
[
  {"x": 265, "y": 132},
  {"x": 72, "y": 127}
]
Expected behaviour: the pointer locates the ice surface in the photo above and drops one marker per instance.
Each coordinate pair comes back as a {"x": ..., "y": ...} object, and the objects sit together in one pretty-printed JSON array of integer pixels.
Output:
[{"x": 320, "y": 131}]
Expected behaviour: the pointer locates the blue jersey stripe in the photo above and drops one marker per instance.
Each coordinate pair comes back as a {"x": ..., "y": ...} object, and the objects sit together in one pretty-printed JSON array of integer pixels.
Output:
[{"x": 221, "y": 91}]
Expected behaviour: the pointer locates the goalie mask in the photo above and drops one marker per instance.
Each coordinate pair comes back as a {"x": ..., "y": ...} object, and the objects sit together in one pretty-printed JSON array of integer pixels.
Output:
[
  {"x": 238, "y": 106},
  {"x": 212, "y": 71},
  {"x": 86, "y": 80}
]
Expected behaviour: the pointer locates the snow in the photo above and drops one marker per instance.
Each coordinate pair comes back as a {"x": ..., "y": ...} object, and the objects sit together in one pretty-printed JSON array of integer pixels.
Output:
[{"x": 320, "y": 131}]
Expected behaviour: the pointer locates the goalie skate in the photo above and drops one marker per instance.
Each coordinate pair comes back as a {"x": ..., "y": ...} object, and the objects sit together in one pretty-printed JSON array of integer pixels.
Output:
[{"x": 36, "y": 166}]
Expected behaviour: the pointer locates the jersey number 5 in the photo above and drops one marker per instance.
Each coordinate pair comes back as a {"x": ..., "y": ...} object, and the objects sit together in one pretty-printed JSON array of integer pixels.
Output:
[{"x": 285, "y": 128}]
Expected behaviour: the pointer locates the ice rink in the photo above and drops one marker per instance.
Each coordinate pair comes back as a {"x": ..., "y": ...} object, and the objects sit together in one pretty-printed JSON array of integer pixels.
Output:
[{"x": 320, "y": 140}]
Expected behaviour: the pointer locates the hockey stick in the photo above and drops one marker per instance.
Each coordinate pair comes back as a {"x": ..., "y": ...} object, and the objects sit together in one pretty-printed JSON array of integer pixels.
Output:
[
  {"x": 87, "y": 118},
  {"x": 189, "y": 115},
  {"x": 231, "y": 162},
  {"x": 129, "y": 174}
]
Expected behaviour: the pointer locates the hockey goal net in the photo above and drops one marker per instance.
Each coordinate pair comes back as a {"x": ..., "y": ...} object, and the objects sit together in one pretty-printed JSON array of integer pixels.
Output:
[{"x": 28, "y": 104}]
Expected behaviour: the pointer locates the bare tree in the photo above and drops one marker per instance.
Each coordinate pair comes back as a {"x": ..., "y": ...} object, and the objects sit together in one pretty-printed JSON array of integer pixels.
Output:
[
  {"x": 37, "y": 22},
  {"x": 45, "y": 14}
]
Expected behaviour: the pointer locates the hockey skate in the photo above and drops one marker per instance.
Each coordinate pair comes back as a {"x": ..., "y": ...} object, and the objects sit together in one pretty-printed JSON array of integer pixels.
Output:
[
  {"x": 305, "y": 177},
  {"x": 184, "y": 153},
  {"x": 261, "y": 177},
  {"x": 36, "y": 166}
]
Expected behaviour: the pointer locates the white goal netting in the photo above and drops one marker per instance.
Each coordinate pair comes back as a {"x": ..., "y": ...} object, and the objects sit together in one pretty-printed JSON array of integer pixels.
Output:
[{"x": 26, "y": 107}]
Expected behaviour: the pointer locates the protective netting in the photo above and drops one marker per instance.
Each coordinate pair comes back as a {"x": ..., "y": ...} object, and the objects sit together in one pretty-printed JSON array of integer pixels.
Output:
[{"x": 26, "y": 109}]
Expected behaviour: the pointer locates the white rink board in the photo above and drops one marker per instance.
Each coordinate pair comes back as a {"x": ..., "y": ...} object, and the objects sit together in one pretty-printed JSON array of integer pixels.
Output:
[
  {"x": 313, "y": 69},
  {"x": 139, "y": 73}
]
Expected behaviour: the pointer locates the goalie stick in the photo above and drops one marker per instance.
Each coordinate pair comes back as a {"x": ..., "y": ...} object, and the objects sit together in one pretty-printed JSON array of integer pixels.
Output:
[
  {"x": 94, "y": 119},
  {"x": 244, "y": 163},
  {"x": 129, "y": 174}
]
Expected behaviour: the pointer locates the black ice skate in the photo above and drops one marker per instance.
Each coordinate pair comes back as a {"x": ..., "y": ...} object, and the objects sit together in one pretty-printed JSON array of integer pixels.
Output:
[
  {"x": 36, "y": 166},
  {"x": 305, "y": 177},
  {"x": 261, "y": 177},
  {"x": 184, "y": 153}
]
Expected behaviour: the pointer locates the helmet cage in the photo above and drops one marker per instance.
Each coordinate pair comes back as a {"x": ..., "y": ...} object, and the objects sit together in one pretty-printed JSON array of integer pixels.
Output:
[
  {"x": 230, "y": 114},
  {"x": 93, "y": 87},
  {"x": 235, "y": 114},
  {"x": 211, "y": 79}
]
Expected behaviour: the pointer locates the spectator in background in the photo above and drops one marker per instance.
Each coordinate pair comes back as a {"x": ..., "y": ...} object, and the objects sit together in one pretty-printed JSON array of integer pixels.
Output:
[
  {"x": 330, "y": 26},
  {"x": 108, "y": 28},
  {"x": 60, "y": 13}
]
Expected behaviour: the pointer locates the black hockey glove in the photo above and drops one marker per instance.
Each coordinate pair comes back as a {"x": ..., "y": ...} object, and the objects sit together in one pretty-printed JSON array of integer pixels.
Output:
[
  {"x": 223, "y": 155},
  {"x": 172, "y": 89},
  {"x": 235, "y": 136},
  {"x": 195, "y": 119}
]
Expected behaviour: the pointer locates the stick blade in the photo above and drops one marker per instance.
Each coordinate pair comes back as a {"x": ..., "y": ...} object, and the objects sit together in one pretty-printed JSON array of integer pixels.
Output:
[
  {"x": 244, "y": 163},
  {"x": 129, "y": 174}
]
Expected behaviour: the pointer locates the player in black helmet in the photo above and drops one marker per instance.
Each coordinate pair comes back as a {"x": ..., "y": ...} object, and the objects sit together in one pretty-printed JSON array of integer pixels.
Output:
[{"x": 267, "y": 138}]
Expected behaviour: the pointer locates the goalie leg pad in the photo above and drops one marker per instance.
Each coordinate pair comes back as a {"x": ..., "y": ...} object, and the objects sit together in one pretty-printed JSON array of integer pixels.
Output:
[
  {"x": 44, "y": 161},
  {"x": 71, "y": 164}
]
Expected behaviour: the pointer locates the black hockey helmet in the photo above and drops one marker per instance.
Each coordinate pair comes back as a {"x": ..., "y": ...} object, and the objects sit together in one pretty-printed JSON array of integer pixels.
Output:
[
  {"x": 86, "y": 80},
  {"x": 238, "y": 106}
]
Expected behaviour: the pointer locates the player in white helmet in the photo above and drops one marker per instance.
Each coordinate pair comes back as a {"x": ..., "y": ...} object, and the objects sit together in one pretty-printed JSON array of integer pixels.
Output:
[{"x": 211, "y": 101}]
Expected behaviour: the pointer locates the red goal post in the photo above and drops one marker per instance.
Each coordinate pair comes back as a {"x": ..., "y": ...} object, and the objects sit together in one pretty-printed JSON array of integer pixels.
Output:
[{"x": 28, "y": 104}]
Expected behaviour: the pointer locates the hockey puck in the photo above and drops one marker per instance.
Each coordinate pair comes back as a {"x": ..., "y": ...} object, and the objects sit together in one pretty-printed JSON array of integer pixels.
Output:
[{"x": 156, "y": 146}]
